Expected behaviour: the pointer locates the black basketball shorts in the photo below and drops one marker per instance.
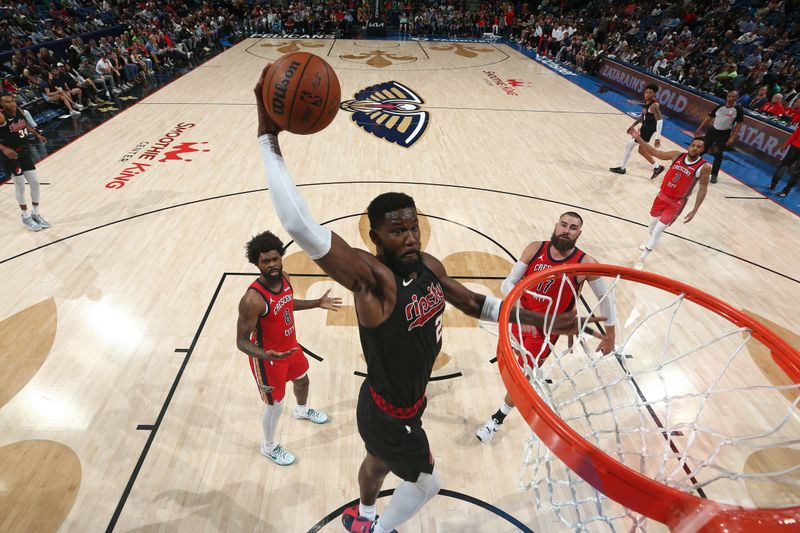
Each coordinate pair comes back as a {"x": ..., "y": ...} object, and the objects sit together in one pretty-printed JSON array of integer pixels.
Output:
[
  {"x": 24, "y": 162},
  {"x": 400, "y": 443},
  {"x": 647, "y": 132}
]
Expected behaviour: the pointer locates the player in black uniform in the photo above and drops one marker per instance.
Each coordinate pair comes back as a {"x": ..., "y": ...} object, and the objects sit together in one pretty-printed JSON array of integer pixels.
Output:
[
  {"x": 399, "y": 296},
  {"x": 652, "y": 122},
  {"x": 16, "y": 159}
]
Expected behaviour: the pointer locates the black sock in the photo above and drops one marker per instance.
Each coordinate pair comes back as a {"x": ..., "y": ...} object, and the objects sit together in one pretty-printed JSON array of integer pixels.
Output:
[{"x": 499, "y": 417}]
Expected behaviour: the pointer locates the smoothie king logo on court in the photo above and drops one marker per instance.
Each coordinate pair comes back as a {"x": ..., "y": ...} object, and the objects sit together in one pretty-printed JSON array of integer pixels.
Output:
[
  {"x": 508, "y": 86},
  {"x": 160, "y": 151},
  {"x": 390, "y": 111}
]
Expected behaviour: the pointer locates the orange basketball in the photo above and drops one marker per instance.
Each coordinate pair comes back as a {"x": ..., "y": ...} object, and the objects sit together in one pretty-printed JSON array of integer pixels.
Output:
[{"x": 301, "y": 93}]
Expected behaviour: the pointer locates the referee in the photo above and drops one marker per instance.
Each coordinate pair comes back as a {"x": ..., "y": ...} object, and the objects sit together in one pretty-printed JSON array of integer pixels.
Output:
[{"x": 726, "y": 121}]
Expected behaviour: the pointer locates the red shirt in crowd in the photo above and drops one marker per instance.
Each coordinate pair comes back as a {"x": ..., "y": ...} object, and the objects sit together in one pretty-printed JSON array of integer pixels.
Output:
[{"x": 775, "y": 108}]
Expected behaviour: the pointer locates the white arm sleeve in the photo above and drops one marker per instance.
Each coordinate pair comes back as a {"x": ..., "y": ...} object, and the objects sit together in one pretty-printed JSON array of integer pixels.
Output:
[
  {"x": 292, "y": 210},
  {"x": 517, "y": 271},
  {"x": 659, "y": 125},
  {"x": 607, "y": 306}
]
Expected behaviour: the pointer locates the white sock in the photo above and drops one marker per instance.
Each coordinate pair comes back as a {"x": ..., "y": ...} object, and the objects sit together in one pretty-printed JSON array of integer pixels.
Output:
[
  {"x": 505, "y": 408},
  {"x": 656, "y": 165},
  {"x": 627, "y": 154},
  {"x": 407, "y": 500},
  {"x": 26, "y": 213},
  {"x": 301, "y": 410},
  {"x": 269, "y": 423},
  {"x": 36, "y": 210},
  {"x": 367, "y": 511}
]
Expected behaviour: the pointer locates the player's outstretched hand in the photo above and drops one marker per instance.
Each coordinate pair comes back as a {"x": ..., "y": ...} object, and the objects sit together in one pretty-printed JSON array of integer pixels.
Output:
[
  {"x": 265, "y": 123},
  {"x": 273, "y": 355},
  {"x": 568, "y": 323},
  {"x": 606, "y": 345},
  {"x": 634, "y": 133},
  {"x": 331, "y": 304}
]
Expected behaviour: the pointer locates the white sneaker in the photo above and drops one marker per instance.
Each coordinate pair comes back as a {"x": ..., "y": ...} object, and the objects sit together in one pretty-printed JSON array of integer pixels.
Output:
[
  {"x": 278, "y": 455},
  {"x": 639, "y": 265},
  {"x": 487, "y": 431},
  {"x": 75, "y": 113},
  {"x": 39, "y": 219},
  {"x": 30, "y": 223},
  {"x": 79, "y": 107},
  {"x": 316, "y": 416},
  {"x": 643, "y": 246}
]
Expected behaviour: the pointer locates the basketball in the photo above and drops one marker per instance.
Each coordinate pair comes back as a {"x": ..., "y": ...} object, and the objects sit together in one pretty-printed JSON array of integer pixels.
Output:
[{"x": 301, "y": 93}]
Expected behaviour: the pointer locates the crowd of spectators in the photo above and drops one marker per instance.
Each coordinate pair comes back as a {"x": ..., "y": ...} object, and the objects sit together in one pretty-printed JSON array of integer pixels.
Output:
[
  {"x": 751, "y": 46},
  {"x": 713, "y": 47},
  {"x": 59, "y": 55}
]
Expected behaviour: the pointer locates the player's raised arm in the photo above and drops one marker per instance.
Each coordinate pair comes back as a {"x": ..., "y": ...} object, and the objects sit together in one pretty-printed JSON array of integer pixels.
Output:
[
  {"x": 348, "y": 266},
  {"x": 488, "y": 307},
  {"x": 661, "y": 154}
]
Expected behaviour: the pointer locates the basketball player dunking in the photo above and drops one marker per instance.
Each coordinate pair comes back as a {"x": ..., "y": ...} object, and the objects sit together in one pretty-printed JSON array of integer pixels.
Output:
[
  {"x": 652, "y": 122},
  {"x": 679, "y": 181},
  {"x": 537, "y": 256},
  {"x": 399, "y": 296},
  {"x": 265, "y": 332}
]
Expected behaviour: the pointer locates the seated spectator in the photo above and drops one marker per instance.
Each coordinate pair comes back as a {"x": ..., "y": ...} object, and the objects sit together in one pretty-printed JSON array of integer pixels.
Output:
[
  {"x": 773, "y": 107},
  {"x": 52, "y": 94},
  {"x": 793, "y": 113},
  {"x": 87, "y": 70},
  {"x": 760, "y": 98}
]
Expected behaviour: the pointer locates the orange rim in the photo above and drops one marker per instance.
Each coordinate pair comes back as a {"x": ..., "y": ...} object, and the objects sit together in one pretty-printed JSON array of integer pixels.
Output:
[{"x": 678, "y": 510}]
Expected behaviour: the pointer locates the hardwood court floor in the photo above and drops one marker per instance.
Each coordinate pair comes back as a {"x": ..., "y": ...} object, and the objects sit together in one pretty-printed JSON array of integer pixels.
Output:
[{"x": 122, "y": 394}]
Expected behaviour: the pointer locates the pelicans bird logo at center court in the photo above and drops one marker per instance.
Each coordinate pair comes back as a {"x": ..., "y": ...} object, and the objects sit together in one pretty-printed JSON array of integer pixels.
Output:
[{"x": 389, "y": 111}]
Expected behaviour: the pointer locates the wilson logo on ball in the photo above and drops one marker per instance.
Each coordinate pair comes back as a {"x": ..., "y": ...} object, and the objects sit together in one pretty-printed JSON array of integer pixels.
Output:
[{"x": 279, "y": 99}]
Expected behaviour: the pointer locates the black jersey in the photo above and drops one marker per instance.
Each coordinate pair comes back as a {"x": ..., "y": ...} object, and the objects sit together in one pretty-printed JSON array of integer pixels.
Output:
[
  {"x": 14, "y": 133},
  {"x": 649, "y": 119},
  {"x": 400, "y": 352}
]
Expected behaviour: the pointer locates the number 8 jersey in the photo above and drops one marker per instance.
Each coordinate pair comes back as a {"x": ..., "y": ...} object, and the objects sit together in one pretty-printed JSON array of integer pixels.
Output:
[{"x": 275, "y": 327}]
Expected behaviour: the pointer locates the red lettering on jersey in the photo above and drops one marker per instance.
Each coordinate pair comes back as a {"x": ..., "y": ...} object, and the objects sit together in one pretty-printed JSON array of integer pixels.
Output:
[{"x": 420, "y": 310}]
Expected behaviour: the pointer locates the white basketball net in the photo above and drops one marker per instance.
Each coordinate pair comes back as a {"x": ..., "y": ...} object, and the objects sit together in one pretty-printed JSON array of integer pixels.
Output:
[{"x": 689, "y": 410}]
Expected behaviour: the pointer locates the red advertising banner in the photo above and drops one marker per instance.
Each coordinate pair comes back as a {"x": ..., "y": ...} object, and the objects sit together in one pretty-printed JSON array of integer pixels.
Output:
[{"x": 756, "y": 137}]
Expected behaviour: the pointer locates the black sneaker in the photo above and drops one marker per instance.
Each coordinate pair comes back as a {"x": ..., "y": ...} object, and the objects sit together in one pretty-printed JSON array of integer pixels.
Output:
[
  {"x": 772, "y": 185},
  {"x": 713, "y": 178},
  {"x": 656, "y": 171},
  {"x": 617, "y": 170},
  {"x": 783, "y": 194}
]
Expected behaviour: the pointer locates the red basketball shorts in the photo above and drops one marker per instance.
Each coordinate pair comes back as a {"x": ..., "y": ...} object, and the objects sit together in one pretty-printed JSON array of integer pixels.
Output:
[
  {"x": 667, "y": 209},
  {"x": 536, "y": 347},
  {"x": 276, "y": 373}
]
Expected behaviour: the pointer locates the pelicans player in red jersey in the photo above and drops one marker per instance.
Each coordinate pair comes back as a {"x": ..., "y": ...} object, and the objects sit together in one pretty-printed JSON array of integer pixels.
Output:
[
  {"x": 265, "y": 332},
  {"x": 537, "y": 256},
  {"x": 686, "y": 170}
]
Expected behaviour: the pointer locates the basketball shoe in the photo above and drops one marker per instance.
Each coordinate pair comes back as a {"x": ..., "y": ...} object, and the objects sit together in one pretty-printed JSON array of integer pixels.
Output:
[
  {"x": 358, "y": 524},
  {"x": 617, "y": 170},
  {"x": 30, "y": 223},
  {"x": 278, "y": 455},
  {"x": 315, "y": 415},
  {"x": 39, "y": 219},
  {"x": 656, "y": 171},
  {"x": 487, "y": 431}
]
